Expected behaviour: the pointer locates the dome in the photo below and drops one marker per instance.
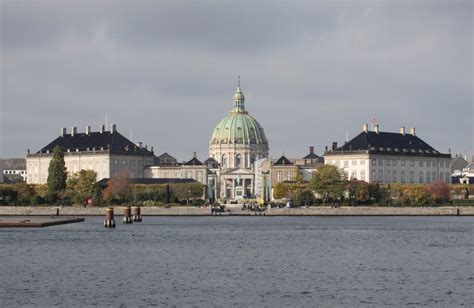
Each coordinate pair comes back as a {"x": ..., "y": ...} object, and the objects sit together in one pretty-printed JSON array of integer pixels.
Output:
[{"x": 238, "y": 127}]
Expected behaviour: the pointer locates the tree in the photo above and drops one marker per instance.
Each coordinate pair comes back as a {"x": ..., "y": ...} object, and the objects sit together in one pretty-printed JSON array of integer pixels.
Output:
[
  {"x": 118, "y": 188},
  {"x": 439, "y": 191},
  {"x": 328, "y": 181},
  {"x": 57, "y": 173},
  {"x": 305, "y": 197},
  {"x": 358, "y": 191},
  {"x": 83, "y": 185},
  {"x": 416, "y": 195}
]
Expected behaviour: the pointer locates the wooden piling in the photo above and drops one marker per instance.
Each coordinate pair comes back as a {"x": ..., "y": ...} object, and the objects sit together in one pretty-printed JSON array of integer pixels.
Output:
[
  {"x": 109, "y": 221},
  {"x": 127, "y": 215},
  {"x": 136, "y": 214}
]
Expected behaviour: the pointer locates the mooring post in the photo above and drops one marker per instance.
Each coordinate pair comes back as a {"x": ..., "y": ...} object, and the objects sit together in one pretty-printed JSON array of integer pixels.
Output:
[
  {"x": 127, "y": 215},
  {"x": 136, "y": 214},
  {"x": 109, "y": 221}
]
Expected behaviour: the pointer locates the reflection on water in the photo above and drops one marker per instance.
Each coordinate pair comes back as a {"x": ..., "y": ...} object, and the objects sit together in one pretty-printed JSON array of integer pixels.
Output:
[{"x": 257, "y": 261}]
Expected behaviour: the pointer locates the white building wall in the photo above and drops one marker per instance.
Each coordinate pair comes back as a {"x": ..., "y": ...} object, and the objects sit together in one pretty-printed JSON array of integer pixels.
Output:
[
  {"x": 392, "y": 169},
  {"x": 104, "y": 164},
  {"x": 197, "y": 173}
]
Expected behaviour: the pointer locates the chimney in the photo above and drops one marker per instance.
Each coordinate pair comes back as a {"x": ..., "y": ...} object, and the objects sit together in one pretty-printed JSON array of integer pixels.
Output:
[
  {"x": 326, "y": 148},
  {"x": 74, "y": 131},
  {"x": 402, "y": 130},
  {"x": 376, "y": 129},
  {"x": 113, "y": 128},
  {"x": 334, "y": 146},
  {"x": 365, "y": 128},
  {"x": 88, "y": 130},
  {"x": 140, "y": 144},
  {"x": 413, "y": 131},
  {"x": 311, "y": 149},
  {"x": 194, "y": 154},
  {"x": 63, "y": 131},
  {"x": 102, "y": 128}
]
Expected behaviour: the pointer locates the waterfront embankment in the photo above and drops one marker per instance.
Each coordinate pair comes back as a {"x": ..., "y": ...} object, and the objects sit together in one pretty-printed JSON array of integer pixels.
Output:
[{"x": 236, "y": 211}]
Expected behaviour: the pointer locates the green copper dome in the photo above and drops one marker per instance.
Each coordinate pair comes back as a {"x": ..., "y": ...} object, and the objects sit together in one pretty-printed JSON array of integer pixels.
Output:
[{"x": 238, "y": 127}]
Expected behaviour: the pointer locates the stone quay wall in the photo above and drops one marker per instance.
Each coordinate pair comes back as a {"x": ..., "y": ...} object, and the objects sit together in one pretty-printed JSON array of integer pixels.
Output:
[{"x": 204, "y": 211}]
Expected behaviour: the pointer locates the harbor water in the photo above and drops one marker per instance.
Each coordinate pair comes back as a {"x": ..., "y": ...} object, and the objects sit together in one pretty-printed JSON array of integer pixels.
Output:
[{"x": 242, "y": 261}]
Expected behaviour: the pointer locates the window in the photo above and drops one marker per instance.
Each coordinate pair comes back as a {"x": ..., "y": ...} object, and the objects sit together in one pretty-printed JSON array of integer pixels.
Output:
[
  {"x": 421, "y": 177},
  {"x": 354, "y": 162},
  {"x": 289, "y": 176},
  {"x": 412, "y": 163},
  {"x": 387, "y": 176},
  {"x": 374, "y": 175},
  {"x": 394, "y": 176},
  {"x": 238, "y": 160},
  {"x": 115, "y": 161},
  {"x": 394, "y": 162},
  {"x": 362, "y": 162},
  {"x": 428, "y": 164},
  {"x": 374, "y": 161},
  {"x": 435, "y": 164},
  {"x": 435, "y": 176},
  {"x": 124, "y": 162},
  {"x": 447, "y": 164},
  {"x": 420, "y": 163},
  {"x": 412, "y": 176},
  {"x": 441, "y": 164},
  {"x": 387, "y": 162},
  {"x": 447, "y": 180},
  {"x": 353, "y": 174},
  {"x": 362, "y": 175},
  {"x": 346, "y": 164},
  {"x": 380, "y": 176},
  {"x": 402, "y": 176},
  {"x": 224, "y": 161},
  {"x": 278, "y": 176},
  {"x": 380, "y": 162},
  {"x": 428, "y": 177},
  {"x": 189, "y": 174},
  {"x": 441, "y": 176},
  {"x": 403, "y": 163}
]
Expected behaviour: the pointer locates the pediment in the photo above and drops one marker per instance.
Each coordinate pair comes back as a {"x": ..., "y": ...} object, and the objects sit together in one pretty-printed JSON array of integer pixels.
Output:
[{"x": 237, "y": 171}]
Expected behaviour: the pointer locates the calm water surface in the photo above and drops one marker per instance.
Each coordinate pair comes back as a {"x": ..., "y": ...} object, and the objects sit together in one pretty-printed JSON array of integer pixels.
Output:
[{"x": 242, "y": 261}]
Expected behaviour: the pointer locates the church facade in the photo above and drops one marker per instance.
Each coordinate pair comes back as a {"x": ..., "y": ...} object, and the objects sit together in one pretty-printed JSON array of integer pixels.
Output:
[{"x": 237, "y": 142}]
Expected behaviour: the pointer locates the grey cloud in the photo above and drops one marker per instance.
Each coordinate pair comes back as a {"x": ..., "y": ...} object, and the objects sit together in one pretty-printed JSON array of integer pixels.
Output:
[{"x": 166, "y": 71}]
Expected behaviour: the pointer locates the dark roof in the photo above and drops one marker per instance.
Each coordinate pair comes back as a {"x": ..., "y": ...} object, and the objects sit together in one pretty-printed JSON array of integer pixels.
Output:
[
  {"x": 193, "y": 162},
  {"x": 150, "y": 181},
  {"x": 283, "y": 161},
  {"x": 165, "y": 160},
  {"x": 14, "y": 163},
  {"x": 458, "y": 163},
  {"x": 389, "y": 144},
  {"x": 311, "y": 155},
  {"x": 114, "y": 142},
  {"x": 166, "y": 156},
  {"x": 210, "y": 160}
]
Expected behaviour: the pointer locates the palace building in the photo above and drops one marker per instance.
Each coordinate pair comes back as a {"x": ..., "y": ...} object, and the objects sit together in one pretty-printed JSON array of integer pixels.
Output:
[
  {"x": 386, "y": 157},
  {"x": 108, "y": 153}
]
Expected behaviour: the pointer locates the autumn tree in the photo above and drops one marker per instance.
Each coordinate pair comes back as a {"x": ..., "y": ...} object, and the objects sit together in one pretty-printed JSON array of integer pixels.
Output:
[
  {"x": 57, "y": 174},
  {"x": 328, "y": 181},
  {"x": 439, "y": 191},
  {"x": 118, "y": 188},
  {"x": 82, "y": 185},
  {"x": 358, "y": 191}
]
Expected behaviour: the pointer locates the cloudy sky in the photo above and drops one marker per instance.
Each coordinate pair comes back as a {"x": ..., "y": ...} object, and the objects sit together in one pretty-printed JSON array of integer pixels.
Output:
[{"x": 166, "y": 71}]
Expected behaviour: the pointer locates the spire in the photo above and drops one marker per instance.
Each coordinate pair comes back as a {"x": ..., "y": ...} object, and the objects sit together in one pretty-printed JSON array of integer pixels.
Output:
[{"x": 239, "y": 98}]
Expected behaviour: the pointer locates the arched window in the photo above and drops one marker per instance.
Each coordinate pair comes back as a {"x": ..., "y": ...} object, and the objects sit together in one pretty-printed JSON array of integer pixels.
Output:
[
  {"x": 223, "y": 161},
  {"x": 252, "y": 159},
  {"x": 238, "y": 160}
]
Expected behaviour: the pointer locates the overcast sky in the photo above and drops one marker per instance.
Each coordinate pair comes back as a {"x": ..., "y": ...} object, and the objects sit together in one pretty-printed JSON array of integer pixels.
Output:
[{"x": 166, "y": 71}]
